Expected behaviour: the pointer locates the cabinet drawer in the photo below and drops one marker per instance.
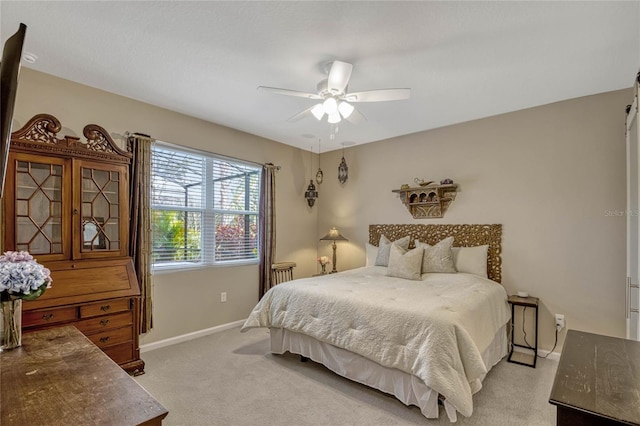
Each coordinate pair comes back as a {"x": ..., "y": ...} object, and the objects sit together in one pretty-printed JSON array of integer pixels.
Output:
[
  {"x": 105, "y": 307},
  {"x": 112, "y": 337},
  {"x": 48, "y": 316},
  {"x": 120, "y": 353},
  {"x": 105, "y": 322}
]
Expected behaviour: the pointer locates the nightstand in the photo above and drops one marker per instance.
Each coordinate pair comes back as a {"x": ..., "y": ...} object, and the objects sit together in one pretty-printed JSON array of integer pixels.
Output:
[{"x": 519, "y": 357}]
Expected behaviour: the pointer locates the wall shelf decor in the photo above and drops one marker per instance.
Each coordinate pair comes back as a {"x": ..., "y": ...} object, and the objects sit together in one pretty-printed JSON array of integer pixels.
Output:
[{"x": 426, "y": 202}]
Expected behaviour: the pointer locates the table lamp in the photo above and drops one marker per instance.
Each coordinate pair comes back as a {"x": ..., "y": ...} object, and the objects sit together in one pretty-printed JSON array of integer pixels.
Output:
[{"x": 334, "y": 235}]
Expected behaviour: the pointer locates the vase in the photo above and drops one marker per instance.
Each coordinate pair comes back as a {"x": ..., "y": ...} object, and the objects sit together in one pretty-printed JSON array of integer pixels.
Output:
[
  {"x": 10, "y": 324},
  {"x": 324, "y": 268}
]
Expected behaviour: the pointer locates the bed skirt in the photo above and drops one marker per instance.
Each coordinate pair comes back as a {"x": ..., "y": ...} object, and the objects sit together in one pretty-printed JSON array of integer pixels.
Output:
[{"x": 407, "y": 388}]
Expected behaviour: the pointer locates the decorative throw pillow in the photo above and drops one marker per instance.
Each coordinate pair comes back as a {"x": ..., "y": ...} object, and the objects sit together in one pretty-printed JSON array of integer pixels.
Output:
[
  {"x": 405, "y": 264},
  {"x": 382, "y": 258},
  {"x": 438, "y": 258},
  {"x": 472, "y": 260},
  {"x": 371, "y": 254}
]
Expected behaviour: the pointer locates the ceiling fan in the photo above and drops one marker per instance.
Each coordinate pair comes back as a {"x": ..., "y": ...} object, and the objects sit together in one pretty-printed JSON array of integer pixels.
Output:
[{"x": 334, "y": 101}]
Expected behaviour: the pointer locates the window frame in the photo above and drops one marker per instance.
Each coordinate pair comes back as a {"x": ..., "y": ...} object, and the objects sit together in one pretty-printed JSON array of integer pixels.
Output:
[{"x": 208, "y": 213}]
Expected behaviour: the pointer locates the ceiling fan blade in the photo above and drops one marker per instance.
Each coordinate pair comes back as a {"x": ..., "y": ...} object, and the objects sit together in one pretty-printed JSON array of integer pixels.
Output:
[
  {"x": 356, "y": 117},
  {"x": 288, "y": 92},
  {"x": 299, "y": 116},
  {"x": 378, "y": 95},
  {"x": 339, "y": 76}
]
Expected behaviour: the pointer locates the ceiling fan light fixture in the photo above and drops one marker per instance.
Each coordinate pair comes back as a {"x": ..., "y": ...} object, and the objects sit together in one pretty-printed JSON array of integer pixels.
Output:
[
  {"x": 330, "y": 106},
  {"x": 317, "y": 111},
  {"x": 334, "y": 118},
  {"x": 345, "y": 109}
]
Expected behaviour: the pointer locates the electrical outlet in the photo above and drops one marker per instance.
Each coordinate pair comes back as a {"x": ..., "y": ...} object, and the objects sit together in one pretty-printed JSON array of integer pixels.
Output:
[
  {"x": 559, "y": 322},
  {"x": 223, "y": 296}
]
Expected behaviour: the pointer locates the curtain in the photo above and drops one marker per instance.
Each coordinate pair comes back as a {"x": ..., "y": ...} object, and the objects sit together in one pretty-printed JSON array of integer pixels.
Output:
[
  {"x": 140, "y": 223},
  {"x": 267, "y": 226}
]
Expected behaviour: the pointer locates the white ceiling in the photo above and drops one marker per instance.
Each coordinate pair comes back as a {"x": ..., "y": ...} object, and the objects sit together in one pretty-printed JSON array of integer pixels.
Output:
[{"x": 462, "y": 60}]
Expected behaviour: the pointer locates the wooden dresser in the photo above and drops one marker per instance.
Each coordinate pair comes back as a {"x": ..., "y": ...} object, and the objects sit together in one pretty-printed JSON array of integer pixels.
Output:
[
  {"x": 597, "y": 381},
  {"x": 58, "y": 377},
  {"x": 67, "y": 203}
]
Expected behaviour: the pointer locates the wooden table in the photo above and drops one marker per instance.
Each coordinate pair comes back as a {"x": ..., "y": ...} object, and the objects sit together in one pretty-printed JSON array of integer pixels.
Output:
[
  {"x": 59, "y": 377},
  {"x": 597, "y": 381}
]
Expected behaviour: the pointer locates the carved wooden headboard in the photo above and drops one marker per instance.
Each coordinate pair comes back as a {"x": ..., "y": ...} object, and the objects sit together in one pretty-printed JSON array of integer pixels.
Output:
[{"x": 463, "y": 236}]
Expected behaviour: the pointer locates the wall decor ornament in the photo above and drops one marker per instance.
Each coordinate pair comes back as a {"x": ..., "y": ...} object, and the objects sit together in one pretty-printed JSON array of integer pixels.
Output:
[{"x": 429, "y": 200}]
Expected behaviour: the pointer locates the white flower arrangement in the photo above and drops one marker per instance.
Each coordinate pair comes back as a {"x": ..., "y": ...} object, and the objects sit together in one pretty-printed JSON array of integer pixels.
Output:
[
  {"x": 324, "y": 260},
  {"x": 21, "y": 277}
]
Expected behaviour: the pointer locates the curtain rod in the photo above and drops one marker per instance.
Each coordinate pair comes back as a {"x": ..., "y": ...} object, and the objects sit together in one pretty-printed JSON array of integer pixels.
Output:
[
  {"x": 199, "y": 151},
  {"x": 128, "y": 134},
  {"x": 273, "y": 165}
]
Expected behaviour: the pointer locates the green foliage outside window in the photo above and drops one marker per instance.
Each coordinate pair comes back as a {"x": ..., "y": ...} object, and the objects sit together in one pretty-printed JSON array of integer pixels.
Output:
[{"x": 169, "y": 244}]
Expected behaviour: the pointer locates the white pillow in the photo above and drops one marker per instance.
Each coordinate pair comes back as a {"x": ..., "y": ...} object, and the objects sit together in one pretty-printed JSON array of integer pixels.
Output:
[
  {"x": 382, "y": 258},
  {"x": 472, "y": 260},
  {"x": 437, "y": 258},
  {"x": 371, "y": 253},
  {"x": 405, "y": 264}
]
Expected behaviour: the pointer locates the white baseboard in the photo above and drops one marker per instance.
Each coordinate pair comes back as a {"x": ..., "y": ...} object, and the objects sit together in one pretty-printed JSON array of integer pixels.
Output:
[
  {"x": 189, "y": 336},
  {"x": 549, "y": 355},
  {"x": 541, "y": 352}
]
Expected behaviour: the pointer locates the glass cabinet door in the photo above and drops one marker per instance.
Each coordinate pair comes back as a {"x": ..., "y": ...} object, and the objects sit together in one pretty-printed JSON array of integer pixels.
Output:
[
  {"x": 103, "y": 213},
  {"x": 38, "y": 211}
]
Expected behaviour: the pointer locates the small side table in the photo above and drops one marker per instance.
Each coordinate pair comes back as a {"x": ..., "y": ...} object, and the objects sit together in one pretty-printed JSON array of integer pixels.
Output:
[{"x": 525, "y": 302}]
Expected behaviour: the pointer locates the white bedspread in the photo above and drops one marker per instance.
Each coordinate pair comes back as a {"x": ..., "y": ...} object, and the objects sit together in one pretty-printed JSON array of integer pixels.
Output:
[{"x": 434, "y": 329}]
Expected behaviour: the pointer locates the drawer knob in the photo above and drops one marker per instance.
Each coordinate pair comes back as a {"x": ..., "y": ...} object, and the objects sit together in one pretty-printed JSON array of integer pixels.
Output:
[
  {"x": 104, "y": 339},
  {"x": 104, "y": 322},
  {"x": 105, "y": 308},
  {"x": 47, "y": 317}
]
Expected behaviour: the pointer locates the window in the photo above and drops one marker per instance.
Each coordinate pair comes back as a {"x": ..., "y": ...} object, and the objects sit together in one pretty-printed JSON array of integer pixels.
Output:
[{"x": 204, "y": 208}]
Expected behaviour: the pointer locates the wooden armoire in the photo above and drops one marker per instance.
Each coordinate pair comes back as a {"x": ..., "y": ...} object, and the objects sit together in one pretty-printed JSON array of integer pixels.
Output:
[{"x": 66, "y": 202}]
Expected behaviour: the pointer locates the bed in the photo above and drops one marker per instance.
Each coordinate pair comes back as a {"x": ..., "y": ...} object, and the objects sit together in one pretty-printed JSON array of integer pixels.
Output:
[{"x": 423, "y": 340}]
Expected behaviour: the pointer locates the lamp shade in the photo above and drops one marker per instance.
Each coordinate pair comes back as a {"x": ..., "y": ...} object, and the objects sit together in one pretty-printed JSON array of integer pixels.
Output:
[
  {"x": 334, "y": 117},
  {"x": 317, "y": 111},
  {"x": 334, "y": 235},
  {"x": 345, "y": 109},
  {"x": 330, "y": 106}
]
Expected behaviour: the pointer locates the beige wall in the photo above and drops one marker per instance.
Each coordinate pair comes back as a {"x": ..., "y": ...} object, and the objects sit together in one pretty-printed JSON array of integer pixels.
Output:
[
  {"x": 548, "y": 174},
  {"x": 187, "y": 301}
]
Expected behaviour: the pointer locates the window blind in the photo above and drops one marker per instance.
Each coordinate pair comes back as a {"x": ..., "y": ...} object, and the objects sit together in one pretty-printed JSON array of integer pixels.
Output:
[{"x": 204, "y": 208}]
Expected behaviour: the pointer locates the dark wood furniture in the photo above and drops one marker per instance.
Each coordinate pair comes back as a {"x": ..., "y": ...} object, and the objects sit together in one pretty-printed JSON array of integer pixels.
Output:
[
  {"x": 67, "y": 203},
  {"x": 58, "y": 377},
  {"x": 597, "y": 381},
  {"x": 518, "y": 357}
]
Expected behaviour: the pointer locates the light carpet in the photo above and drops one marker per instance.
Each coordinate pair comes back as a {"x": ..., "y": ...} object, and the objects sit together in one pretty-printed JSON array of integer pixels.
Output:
[{"x": 231, "y": 378}]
